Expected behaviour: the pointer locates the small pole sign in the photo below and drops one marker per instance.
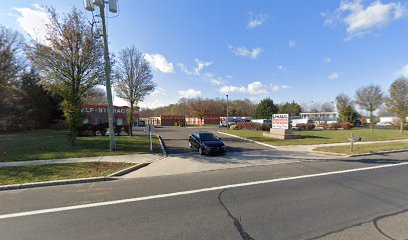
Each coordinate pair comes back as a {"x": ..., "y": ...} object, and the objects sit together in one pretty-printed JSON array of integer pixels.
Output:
[{"x": 280, "y": 121}]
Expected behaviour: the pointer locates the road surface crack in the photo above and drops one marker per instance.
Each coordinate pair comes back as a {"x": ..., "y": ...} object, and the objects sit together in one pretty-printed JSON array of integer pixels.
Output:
[{"x": 237, "y": 222}]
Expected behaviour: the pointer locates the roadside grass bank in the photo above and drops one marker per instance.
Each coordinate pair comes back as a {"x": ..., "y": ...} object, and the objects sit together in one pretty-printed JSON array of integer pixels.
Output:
[
  {"x": 54, "y": 144},
  {"x": 30, "y": 174},
  {"x": 365, "y": 148},
  {"x": 323, "y": 136}
]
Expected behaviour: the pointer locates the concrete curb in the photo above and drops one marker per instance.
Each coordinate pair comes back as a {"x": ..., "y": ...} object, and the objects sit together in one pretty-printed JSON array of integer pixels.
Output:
[
  {"x": 54, "y": 183},
  {"x": 374, "y": 153},
  {"x": 330, "y": 153},
  {"x": 249, "y": 140},
  {"x": 360, "y": 154},
  {"x": 129, "y": 169},
  {"x": 162, "y": 146}
]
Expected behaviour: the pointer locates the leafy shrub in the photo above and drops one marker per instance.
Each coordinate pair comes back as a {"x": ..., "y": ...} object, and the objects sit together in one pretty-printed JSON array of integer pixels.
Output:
[
  {"x": 305, "y": 127},
  {"x": 118, "y": 129},
  {"x": 234, "y": 127},
  {"x": 346, "y": 125},
  {"x": 89, "y": 129},
  {"x": 266, "y": 127},
  {"x": 249, "y": 125},
  {"x": 324, "y": 125},
  {"x": 333, "y": 126}
]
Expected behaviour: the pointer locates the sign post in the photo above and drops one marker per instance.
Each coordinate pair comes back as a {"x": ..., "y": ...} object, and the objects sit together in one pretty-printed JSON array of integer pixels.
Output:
[{"x": 353, "y": 140}]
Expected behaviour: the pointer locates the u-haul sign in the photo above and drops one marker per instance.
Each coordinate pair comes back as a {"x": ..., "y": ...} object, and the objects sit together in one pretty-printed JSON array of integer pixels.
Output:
[{"x": 280, "y": 121}]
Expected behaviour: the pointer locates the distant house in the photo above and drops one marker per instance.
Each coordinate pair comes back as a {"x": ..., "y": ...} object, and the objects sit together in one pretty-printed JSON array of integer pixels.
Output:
[{"x": 389, "y": 117}]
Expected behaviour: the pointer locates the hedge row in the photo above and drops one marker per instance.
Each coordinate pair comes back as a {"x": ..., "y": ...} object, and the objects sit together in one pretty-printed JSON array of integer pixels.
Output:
[{"x": 253, "y": 126}]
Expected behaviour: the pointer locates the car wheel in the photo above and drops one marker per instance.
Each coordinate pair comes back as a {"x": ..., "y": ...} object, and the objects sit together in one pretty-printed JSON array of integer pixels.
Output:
[{"x": 200, "y": 151}]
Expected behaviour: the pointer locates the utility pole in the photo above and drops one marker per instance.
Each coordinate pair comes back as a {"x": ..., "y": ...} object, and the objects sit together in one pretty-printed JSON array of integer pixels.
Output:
[
  {"x": 112, "y": 140},
  {"x": 89, "y": 5}
]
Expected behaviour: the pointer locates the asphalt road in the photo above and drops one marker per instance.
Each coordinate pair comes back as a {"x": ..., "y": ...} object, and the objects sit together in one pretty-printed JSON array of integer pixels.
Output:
[{"x": 305, "y": 208}]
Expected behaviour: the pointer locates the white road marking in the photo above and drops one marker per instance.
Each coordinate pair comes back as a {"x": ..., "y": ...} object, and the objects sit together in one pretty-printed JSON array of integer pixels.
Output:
[{"x": 138, "y": 199}]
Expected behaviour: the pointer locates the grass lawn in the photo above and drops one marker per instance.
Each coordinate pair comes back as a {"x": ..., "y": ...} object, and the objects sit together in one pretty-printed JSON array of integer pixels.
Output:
[
  {"x": 365, "y": 148},
  {"x": 17, "y": 175},
  {"x": 323, "y": 136},
  {"x": 52, "y": 144}
]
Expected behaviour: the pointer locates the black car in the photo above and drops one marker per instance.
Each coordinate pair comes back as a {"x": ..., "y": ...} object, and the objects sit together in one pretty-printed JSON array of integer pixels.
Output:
[{"x": 206, "y": 143}]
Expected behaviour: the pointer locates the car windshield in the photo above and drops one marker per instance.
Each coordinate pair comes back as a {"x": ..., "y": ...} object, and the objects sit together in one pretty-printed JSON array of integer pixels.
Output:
[{"x": 208, "y": 137}]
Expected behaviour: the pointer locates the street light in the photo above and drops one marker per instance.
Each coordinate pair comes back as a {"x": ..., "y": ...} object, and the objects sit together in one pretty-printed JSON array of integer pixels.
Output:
[{"x": 89, "y": 5}]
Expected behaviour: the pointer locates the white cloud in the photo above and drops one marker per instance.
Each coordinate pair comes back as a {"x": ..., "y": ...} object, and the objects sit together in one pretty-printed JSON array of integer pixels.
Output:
[
  {"x": 257, "y": 88},
  {"x": 190, "y": 93},
  {"x": 281, "y": 68},
  {"x": 244, "y": 52},
  {"x": 361, "y": 20},
  {"x": 403, "y": 72},
  {"x": 158, "y": 91},
  {"x": 159, "y": 62},
  {"x": 327, "y": 60},
  {"x": 334, "y": 76},
  {"x": 215, "y": 82},
  {"x": 256, "y": 20},
  {"x": 292, "y": 43},
  {"x": 276, "y": 88},
  {"x": 184, "y": 69},
  {"x": 33, "y": 21},
  {"x": 254, "y": 88},
  {"x": 232, "y": 89},
  {"x": 200, "y": 65}
]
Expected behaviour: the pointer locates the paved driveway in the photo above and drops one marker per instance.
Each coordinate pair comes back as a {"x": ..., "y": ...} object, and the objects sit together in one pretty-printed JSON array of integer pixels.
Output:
[
  {"x": 240, "y": 153},
  {"x": 176, "y": 140}
]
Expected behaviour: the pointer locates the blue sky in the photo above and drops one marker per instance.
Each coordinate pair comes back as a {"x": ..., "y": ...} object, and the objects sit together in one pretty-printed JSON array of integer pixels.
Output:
[{"x": 283, "y": 49}]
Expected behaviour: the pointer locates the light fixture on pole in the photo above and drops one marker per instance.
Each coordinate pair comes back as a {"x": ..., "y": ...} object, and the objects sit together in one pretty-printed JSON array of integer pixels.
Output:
[{"x": 89, "y": 5}]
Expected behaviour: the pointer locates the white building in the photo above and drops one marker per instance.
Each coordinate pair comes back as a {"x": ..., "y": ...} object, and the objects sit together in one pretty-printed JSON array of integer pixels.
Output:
[
  {"x": 389, "y": 118},
  {"x": 329, "y": 117}
]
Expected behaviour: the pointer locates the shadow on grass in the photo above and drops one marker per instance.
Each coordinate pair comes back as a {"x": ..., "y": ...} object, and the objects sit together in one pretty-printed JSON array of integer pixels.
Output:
[{"x": 313, "y": 137}]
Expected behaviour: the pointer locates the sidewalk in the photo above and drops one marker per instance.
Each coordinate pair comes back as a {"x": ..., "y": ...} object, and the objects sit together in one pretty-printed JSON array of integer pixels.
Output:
[
  {"x": 309, "y": 148},
  {"x": 133, "y": 158}
]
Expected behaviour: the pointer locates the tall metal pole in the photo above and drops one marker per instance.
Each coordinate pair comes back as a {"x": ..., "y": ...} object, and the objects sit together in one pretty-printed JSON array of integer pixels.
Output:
[
  {"x": 112, "y": 141},
  {"x": 227, "y": 111}
]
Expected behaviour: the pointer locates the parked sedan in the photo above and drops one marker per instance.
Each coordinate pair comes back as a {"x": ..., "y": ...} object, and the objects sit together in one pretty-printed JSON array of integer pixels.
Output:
[{"x": 206, "y": 143}]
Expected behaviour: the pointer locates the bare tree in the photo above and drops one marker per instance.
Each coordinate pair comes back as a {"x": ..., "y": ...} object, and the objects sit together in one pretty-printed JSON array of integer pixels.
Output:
[
  {"x": 370, "y": 98},
  {"x": 327, "y": 107},
  {"x": 134, "y": 79},
  {"x": 397, "y": 102},
  {"x": 11, "y": 44},
  {"x": 70, "y": 62},
  {"x": 96, "y": 96}
]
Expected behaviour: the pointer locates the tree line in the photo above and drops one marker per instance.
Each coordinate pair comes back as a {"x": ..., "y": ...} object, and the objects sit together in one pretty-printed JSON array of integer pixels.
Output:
[
  {"x": 41, "y": 82},
  {"x": 200, "y": 107},
  {"x": 369, "y": 98}
]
